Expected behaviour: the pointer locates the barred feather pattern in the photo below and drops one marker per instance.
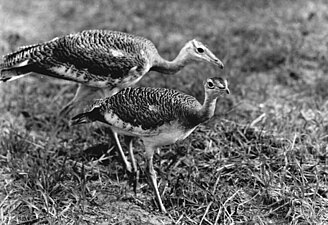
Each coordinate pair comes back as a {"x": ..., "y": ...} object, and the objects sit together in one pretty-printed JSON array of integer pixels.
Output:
[
  {"x": 30, "y": 52},
  {"x": 95, "y": 56},
  {"x": 150, "y": 108},
  {"x": 96, "y": 49}
]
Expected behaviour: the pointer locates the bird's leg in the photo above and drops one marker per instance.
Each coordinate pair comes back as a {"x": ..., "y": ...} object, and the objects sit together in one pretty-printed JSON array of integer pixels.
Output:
[
  {"x": 125, "y": 161},
  {"x": 83, "y": 94},
  {"x": 152, "y": 175},
  {"x": 135, "y": 172}
]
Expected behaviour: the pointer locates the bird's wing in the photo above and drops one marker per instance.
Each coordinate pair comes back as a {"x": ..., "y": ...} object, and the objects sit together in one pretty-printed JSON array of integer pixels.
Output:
[
  {"x": 100, "y": 53},
  {"x": 83, "y": 57},
  {"x": 150, "y": 108},
  {"x": 143, "y": 107}
]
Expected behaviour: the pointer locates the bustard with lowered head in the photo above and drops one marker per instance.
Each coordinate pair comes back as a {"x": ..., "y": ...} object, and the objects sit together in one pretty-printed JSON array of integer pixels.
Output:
[
  {"x": 99, "y": 60},
  {"x": 158, "y": 116}
]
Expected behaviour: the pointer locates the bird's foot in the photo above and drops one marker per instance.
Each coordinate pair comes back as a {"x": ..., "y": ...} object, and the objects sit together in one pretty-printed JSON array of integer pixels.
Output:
[
  {"x": 133, "y": 179},
  {"x": 135, "y": 183},
  {"x": 162, "y": 209},
  {"x": 128, "y": 167}
]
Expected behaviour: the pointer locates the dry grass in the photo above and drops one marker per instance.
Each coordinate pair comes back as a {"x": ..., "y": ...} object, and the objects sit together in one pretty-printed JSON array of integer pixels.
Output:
[{"x": 261, "y": 160}]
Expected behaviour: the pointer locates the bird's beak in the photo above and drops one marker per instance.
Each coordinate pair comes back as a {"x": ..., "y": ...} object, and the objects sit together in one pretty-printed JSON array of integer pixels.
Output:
[
  {"x": 218, "y": 63},
  {"x": 214, "y": 60},
  {"x": 226, "y": 87}
]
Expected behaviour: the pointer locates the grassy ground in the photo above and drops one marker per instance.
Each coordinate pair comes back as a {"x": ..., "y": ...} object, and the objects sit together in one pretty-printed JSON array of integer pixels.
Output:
[{"x": 261, "y": 160}]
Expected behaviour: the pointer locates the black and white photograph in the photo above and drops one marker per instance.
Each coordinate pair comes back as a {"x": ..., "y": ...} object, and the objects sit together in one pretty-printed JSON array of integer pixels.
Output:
[{"x": 196, "y": 112}]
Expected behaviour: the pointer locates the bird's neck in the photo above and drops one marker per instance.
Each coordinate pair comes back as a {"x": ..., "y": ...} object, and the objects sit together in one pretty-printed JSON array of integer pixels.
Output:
[
  {"x": 207, "y": 110},
  {"x": 170, "y": 67}
]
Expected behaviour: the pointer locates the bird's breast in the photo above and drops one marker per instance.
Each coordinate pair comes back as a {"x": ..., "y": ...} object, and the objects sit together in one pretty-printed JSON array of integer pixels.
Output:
[{"x": 166, "y": 134}]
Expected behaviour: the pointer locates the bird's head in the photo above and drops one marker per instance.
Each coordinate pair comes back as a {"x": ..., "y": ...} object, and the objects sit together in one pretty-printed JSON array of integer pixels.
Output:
[
  {"x": 198, "y": 51},
  {"x": 216, "y": 86}
]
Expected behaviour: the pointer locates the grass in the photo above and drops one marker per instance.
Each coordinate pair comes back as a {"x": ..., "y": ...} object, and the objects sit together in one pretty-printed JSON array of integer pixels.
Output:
[{"x": 262, "y": 159}]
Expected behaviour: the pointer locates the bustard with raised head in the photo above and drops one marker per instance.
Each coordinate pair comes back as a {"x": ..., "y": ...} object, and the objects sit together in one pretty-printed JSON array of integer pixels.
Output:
[{"x": 158, "y": 116}]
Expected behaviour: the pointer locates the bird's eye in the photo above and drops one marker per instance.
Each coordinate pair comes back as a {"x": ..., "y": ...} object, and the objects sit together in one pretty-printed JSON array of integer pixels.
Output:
[
  {"x": 210, "y": 84},
  {"x": 200, "y": 50}
]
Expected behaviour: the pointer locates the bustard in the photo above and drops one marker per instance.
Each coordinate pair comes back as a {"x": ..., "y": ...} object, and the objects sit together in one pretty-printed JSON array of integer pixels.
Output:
[
  {"x": 158, "y": 116},
  {"x": 100, "y": 61}
]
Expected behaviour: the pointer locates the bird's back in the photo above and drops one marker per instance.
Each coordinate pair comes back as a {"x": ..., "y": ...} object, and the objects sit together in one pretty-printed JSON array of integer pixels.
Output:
[
  {"x": 103, "y": 40},
  {"x": 96, "y": 55},
  {"x": 150, "y": 108},
  {"x": 106, "y": 52}
]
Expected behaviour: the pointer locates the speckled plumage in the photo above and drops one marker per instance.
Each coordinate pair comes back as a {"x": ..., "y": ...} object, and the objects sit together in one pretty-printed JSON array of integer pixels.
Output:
[
  {"x": 102, "y": 62},
  {"x": 147, "y": 109},
  {"x": 150, "y": 108},
  {"x": 93, "y": 55},
  {"x": 158, "y": 116}
]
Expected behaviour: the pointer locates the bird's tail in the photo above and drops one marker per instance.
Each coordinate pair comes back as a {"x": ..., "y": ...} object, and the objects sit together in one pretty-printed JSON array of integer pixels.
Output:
[
  {"x": 13, "y": 73},
  {"x": 82, "y": 118},
  {"x": 23, "y": 54},
  {"x": 17, "y": 64}
]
